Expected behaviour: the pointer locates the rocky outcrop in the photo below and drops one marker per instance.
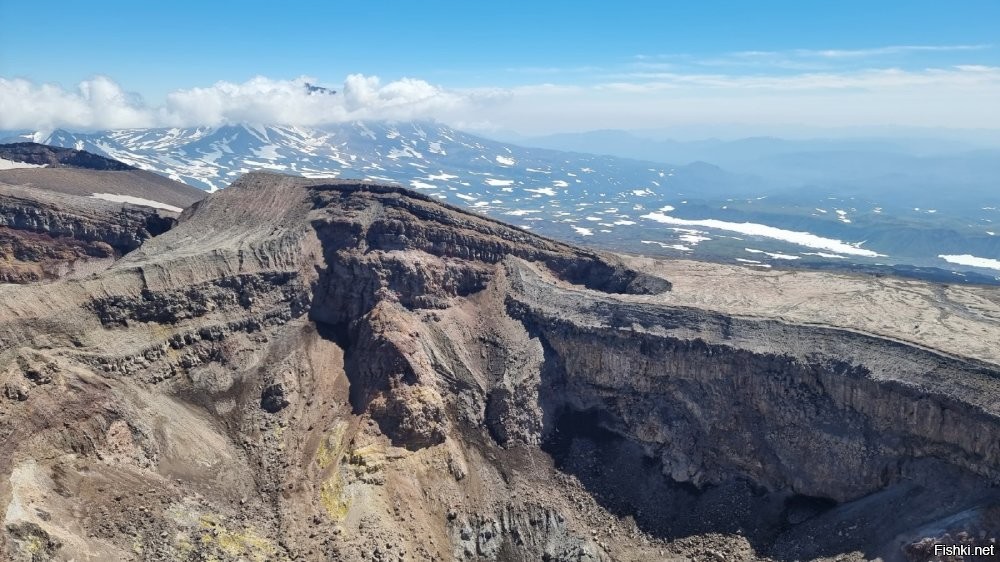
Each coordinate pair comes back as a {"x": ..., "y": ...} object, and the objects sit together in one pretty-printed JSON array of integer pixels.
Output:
[
  {"x": 61, "y": 219},
  {"x": 324, "y": 369},
  {"x": 802, "y": 414},
  {"x": 388, "y": 252},
  {"x": 45, "y": 235}
]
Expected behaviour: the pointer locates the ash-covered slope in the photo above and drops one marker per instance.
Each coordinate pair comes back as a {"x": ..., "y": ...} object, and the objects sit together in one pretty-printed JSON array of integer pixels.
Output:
[{"x": 323, "y": 370}]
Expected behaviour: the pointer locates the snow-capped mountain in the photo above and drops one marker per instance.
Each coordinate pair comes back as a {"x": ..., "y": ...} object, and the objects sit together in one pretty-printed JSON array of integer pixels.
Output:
[
  {"x": 560, "y": 193},
  {"x": 611, "y": 202},
  {"x": 418, "y": 155}
]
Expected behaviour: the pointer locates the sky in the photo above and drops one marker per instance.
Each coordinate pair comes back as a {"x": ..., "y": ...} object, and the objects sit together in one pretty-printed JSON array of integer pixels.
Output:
[{"x": 531, "y": 67}]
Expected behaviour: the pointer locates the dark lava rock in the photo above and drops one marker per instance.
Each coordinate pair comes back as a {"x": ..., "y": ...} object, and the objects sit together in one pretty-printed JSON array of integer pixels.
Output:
[{"x": 273, "y": 400}]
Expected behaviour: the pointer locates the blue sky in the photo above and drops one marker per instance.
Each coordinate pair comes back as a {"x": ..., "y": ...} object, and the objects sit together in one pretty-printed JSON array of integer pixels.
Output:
[{"x": 510, "y": 64}]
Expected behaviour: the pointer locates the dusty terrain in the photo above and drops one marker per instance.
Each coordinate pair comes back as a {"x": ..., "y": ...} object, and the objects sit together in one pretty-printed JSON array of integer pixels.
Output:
[
  {"x": 957, "y": 319},
  {"x": 333, "y": 370}
]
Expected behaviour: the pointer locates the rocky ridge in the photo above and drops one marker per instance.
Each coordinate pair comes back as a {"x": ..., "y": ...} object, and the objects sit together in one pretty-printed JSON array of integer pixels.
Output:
[
  {"x": 340, "y": 370},
  {"x": 56, "y": 156},
  {"x": 46, "y": 235},
  {"x": 78, "y": 213}
]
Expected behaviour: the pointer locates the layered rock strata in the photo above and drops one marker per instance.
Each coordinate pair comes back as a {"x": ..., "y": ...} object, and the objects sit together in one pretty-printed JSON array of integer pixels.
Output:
[{"x": 337, "y": 370}]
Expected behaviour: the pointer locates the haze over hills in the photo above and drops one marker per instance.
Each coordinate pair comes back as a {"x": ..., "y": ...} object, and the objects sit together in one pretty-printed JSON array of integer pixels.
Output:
[
  {"x": 909, "y": 171},
  {"x": 874, "y": 205}
]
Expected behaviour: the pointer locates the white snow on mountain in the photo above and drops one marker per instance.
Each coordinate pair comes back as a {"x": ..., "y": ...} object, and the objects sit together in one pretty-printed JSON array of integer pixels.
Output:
[
  {"x": 972, "y": 261},
  {"x": 614, "y": 202},
  {"x": 801, "y": 238}
]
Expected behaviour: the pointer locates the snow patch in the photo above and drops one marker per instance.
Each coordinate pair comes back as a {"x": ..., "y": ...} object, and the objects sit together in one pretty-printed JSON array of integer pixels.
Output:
[
  {"x": 267, "y": 152},
  {"x": 752, "y": 229},
  {"x": 12, "y": 165},
  {"x": 824, "y": 255},
  {"x": 774, "y": 255},
  {"x": 691, "y": 236},
  {"x": 405, "y": 152},
  {"x": 543, "y": 191},
  {"x": 972, "y": 261},
  {"x": 680, "y": 247},
  {"x": 115, "y": 198}
]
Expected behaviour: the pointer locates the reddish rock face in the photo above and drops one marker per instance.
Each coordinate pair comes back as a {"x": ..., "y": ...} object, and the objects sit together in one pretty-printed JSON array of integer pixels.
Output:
[
  {"x": 45, "y": 236},
  {"x": 322, "y": 369}
]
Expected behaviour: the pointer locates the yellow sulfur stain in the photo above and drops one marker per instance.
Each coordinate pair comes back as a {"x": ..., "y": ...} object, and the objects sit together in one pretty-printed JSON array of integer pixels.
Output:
[
  {"x": 331, "y": 446},
  {"x": 234, "y": 545},
  {"x": 33, "y": 545},
  {"x": 331, "y": 496}
]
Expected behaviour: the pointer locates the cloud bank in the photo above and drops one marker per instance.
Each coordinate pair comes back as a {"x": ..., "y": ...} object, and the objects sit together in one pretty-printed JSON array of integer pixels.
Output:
[
  {"x": 626, "y": 97},
  {"x": 101, "y": 103}
]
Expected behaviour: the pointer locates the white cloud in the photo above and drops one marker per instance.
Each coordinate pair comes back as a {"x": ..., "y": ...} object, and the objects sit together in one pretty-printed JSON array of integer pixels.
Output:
[
  {"x": 960, "y": 96},
  {"x": 888, "y": 50},
  {"x": 643, "y": 94},
  {"x": 805, "y": 60},
  {"x": 101, "y": 103},
  {"x": 961, "y": 75}
]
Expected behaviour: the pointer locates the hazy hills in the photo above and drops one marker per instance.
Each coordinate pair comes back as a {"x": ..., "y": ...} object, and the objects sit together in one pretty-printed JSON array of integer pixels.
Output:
[{"x": 872, "y": 203}]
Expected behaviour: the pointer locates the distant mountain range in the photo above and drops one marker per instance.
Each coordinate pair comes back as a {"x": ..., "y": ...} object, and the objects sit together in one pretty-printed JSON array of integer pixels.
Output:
[
  {"x": 871, "y": 205},
  {"x": 912, "y": 170}
]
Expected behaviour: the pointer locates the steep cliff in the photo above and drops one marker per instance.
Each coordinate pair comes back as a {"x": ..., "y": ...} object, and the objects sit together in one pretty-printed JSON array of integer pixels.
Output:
[
  {"x": 46, "y": 235},
  {"x": 335, "y": 370},
  {"x": 79, "y": 215}
]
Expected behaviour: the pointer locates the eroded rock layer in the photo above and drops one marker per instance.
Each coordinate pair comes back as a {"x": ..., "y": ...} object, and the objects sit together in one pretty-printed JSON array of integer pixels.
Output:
[
  {"x": 335, "y": 370},
  {"x": 45, "y": 235}
]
